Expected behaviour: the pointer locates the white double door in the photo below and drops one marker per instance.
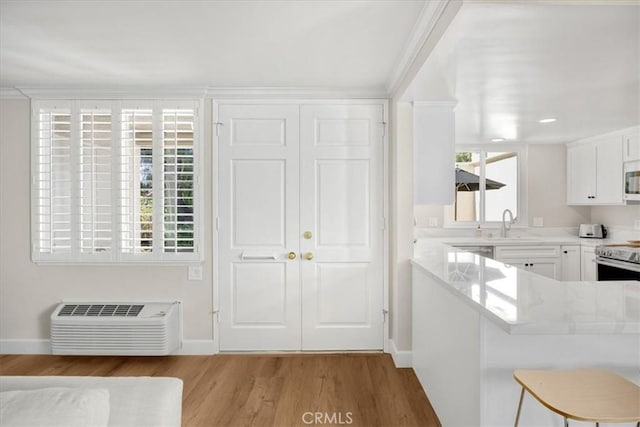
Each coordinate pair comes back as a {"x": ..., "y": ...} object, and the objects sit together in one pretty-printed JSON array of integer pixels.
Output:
[{"x": 301, "y": 227}]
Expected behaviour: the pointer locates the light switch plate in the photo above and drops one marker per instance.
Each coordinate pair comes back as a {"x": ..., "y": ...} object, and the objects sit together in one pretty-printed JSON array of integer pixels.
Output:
[
  {"x": 636, "y": 224},
  {"x": 195, "y": 272},
  {"x": 538, "y": 221}
]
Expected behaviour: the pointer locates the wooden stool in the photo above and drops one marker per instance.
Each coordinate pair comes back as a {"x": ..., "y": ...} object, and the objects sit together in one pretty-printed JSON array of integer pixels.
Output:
[{"x": 585, "y": 395}]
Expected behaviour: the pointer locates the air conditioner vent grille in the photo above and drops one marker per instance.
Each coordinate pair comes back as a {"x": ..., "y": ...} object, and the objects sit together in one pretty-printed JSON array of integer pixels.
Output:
[{"x": 101, "y": 310}]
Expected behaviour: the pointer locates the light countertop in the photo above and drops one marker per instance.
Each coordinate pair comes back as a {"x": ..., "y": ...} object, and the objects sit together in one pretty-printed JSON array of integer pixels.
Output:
[
  {"x": 524, "y": 241},
  {"x": 521, "y": 302}
]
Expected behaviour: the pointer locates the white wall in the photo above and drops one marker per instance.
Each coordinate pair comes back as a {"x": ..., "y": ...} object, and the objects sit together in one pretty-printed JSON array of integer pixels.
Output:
[
  {"x": 29, "y": 292},
  {"x": 547, "y": 188},
  {"x": 401, "y": 241},
  {"x": 616, "y": 216}
]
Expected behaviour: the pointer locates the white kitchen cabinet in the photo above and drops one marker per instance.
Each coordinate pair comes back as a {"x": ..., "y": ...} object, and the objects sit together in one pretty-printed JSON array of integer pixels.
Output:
[
  {"x": 594, "y": 172},
  {"x": 433, "y": 153},
  {"x": 570, "y": 263},
  {"x": 588, "y": 269},
  {"x": 544, "y": 259},
  {"x": 631, "y": 145}
]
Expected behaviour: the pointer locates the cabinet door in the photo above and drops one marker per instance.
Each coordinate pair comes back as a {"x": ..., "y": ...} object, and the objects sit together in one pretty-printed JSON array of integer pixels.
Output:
[
  {"x": 527, "y": 252},
  {"x": 608, "y": 171},
  {"x": 580, "y": 174},
  {"x": 631, "y": 145},
  {"x": 547, "y": 267},
  {"x": 570, "y": 263},
  {"x": 589, "y": 271}
]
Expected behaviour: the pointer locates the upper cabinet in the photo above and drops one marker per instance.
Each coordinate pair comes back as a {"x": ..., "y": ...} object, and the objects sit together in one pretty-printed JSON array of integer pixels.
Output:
[
  {"x": 594, "y": 172},
  {"x": 631, "y": 144}
]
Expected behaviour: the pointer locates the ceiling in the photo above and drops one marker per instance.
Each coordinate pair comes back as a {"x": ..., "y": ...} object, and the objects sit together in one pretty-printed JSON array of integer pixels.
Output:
[
  {"x": 507, "y": 64},
  {"x": 351, "y": 45},
  {"x": 510, "y": 64}
]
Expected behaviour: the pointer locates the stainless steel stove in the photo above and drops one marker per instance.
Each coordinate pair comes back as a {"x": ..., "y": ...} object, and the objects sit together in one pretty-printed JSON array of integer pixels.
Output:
[{"x": 618, "y": 262}]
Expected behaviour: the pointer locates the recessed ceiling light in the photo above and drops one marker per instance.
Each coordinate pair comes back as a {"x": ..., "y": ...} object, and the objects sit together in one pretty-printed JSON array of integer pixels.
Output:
[
  {"x": 549, "y": 120},
  {"x": 497, "y": 140}
]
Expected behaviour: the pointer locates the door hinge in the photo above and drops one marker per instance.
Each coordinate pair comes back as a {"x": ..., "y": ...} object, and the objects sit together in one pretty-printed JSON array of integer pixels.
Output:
[
  {"x": 384, "y": 129},
  {"x": 217, "y": 223},
  {"x": 383, "y": 223},
  {"x": 385, "y": 315},
  {"x": 217, "y": 125}
]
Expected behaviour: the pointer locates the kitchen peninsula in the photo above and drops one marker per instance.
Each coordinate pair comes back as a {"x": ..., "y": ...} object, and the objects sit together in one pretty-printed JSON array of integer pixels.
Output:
[{"x": 476, "y": 320}]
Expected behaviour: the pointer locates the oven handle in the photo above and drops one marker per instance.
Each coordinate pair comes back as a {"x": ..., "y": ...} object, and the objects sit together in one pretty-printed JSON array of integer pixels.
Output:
[{"x": 619, "y": 264}]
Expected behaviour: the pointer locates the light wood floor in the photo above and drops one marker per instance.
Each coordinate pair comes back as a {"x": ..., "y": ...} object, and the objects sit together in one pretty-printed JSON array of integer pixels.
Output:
[{"x": 265, "y": 390}]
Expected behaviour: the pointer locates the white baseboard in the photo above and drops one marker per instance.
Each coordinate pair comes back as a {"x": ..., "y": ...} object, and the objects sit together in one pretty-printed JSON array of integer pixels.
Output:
[
  {"x": 189, "y": 347},
  {"x": 401, "y": 358},
  {"x": 25, "y": 346},
  {"x": 197, "y": 348}
]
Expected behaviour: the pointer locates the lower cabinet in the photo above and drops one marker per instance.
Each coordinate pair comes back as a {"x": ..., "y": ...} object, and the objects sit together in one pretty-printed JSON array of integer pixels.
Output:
[
  {"x": 543, "y": 260},
  {"x": 588, "y": 270},
  {"x": 570, "y": 270}
]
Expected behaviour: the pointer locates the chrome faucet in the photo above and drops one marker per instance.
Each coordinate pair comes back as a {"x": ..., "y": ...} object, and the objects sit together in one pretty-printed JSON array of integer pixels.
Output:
[{"x": 505, "y": 229}]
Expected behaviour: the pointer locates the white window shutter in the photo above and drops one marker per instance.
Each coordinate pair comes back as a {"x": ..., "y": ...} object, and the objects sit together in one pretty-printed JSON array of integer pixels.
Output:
[
  {"x": 136, "y": 181},
  {"x": 178, "y": 128},
  {"x": 95, "y": 178},
  {"x": 115, "y": 181},
  {"x": 53, "y": 182}
]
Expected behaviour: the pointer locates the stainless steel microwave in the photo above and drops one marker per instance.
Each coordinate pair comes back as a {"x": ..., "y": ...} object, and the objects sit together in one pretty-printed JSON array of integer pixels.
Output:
[{"x": 632, "y": 180}]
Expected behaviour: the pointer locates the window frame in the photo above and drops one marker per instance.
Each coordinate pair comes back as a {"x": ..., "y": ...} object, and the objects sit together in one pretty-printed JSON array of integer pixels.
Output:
[
  {"x": 521, "y": 221},
  {"x": 117, "y": 255}
]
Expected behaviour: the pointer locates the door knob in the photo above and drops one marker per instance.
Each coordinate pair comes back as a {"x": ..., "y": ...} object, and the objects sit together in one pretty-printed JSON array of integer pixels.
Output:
[
  {"x": 308, "y": 256},
  {"x": 292, "y": 255},
  {"x": 307, "y": 235}
]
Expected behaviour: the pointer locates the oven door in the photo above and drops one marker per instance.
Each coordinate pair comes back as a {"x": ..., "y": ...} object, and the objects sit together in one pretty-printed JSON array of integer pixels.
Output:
[{"x": 610, "y": 269}]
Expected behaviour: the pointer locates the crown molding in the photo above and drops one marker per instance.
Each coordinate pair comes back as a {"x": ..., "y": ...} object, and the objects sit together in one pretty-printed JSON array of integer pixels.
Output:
[
  {"x": 112, "y": 93},
  {"x": 193, "y": 92},
  {"x": 293, "y": 93},
  {"x": 426, "y": 22},
  {"x": 11, "y": 93}
]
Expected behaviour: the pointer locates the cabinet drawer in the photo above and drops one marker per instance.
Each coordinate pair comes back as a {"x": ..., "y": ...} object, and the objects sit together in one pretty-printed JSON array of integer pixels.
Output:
[{"x": 527, "y": 252}]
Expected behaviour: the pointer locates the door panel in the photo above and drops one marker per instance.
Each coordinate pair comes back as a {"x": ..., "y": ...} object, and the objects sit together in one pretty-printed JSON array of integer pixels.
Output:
[
  {"x": 258, "y": 190},
  {"x": 341, "y": 206},
  {"x": 259, "y": 286},
  {"x": 339, "y": 285}
]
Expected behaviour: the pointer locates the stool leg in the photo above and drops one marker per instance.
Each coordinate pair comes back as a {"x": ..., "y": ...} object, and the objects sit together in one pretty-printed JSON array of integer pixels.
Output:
[{"x": 519, "y": 407}]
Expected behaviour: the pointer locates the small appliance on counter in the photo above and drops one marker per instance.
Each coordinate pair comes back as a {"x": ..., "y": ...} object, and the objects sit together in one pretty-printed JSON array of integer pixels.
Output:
[{"x": 594, "y": 231}]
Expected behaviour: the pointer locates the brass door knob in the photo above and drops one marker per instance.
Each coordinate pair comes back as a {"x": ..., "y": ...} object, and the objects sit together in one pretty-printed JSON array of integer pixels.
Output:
[
  {"x": 292, "y": 255},
  {"x": 308, "y": 256},
  {"x": 307, "y": 235}
]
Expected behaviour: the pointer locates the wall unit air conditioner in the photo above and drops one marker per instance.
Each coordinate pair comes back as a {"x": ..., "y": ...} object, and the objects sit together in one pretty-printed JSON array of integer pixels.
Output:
[{"x": 133, "y": 329}]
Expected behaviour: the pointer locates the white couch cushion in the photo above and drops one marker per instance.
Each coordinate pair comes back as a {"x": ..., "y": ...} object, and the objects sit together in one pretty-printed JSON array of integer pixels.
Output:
[
  {"x": 55, "y": 406},
  {"x": 133, "y": 401}
]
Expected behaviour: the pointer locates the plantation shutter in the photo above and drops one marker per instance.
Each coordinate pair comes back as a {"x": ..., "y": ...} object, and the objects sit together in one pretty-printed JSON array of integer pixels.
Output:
[
  {"x": 95, "y": 180},
  {"x": 178, "y": 180},
  {"x": 52, "y": 181},
  {"x": 136, "y": 180},
  {"x": 115, "y": 181}
]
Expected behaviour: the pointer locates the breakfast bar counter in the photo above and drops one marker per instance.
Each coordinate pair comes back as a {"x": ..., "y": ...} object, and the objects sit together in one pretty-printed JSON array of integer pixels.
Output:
[{"x": 476, "y": 320}]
